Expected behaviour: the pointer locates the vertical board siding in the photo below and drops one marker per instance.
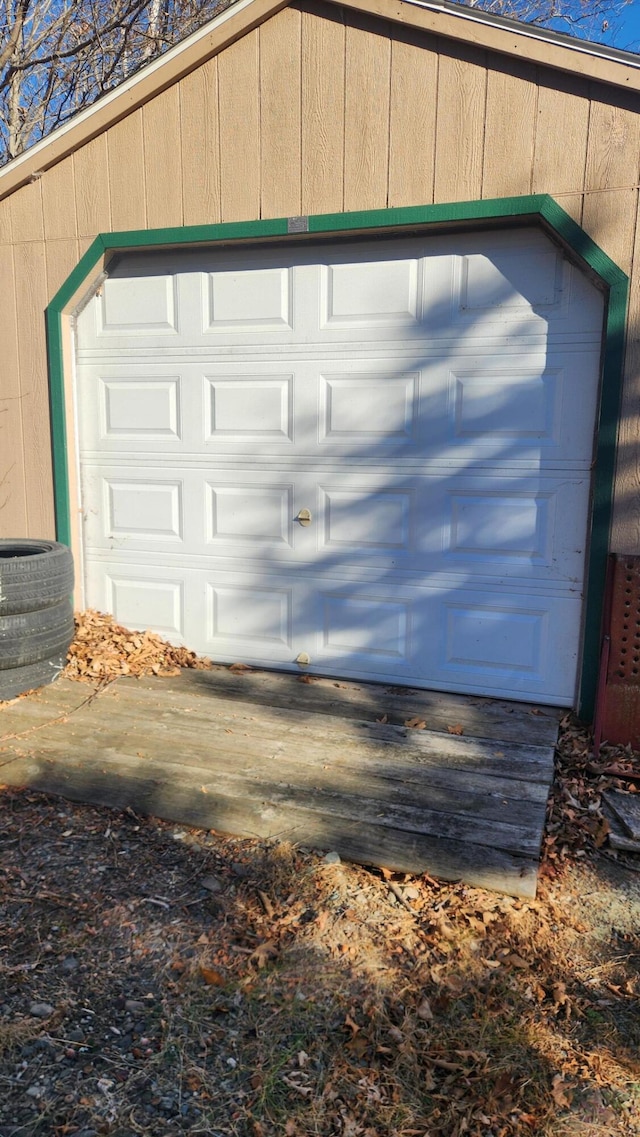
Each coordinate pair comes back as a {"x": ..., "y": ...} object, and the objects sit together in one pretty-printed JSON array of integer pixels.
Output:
[
  {"x": 200, "y": 139},
  {"x": 460, "y": 129},
  {"x": 509, "y": 133},
  {"x": 13, "y": 506},
  {"x": 625, "y": 537},
  {"x": 414, "y": 82},
  {"x": 611, "y": 214},
  {"x": 31, "y": 300},
  {"x": 59, "y": 202},
  {"x": 25, "y": 207},
  {"x": 613, "y": 152},
  {"x": 61, "y": 259},
  {"x": 162, "y": 159},
  {"x": 572, "y": 204},
  {"x": 562, "y": 128},
  {"x": 238, "y": 78},
  {"x": 366, "y": 120},
  {"x": 125, "y": 148},
  {"x": 323, "y": 50},
  {"x": 280, "y": 125},
  {"x": 90, "y": 165}
]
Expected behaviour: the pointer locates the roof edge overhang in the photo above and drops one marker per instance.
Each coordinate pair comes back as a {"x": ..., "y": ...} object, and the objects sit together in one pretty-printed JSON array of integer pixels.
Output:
[{"x": 450, "y": 21}]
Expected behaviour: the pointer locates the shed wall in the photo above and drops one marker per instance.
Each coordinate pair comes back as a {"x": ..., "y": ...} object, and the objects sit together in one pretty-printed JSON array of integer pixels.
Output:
[{"x": 318, "y": 110}]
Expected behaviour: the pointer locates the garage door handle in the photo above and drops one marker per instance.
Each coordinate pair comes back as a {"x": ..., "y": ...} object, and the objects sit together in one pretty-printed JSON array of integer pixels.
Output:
[{"x": 304, "y": 517}]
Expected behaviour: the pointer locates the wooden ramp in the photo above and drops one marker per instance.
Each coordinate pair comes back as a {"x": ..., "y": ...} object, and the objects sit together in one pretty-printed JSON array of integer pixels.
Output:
[{"x": 331, "y": 765}]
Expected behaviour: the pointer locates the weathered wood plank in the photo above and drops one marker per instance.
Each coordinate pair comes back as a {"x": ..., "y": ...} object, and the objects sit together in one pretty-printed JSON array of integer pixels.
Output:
[
  {"x": 486, "y": 718},
  {"x": 209, "y": 748},
  {"x": 316, "y": 732},
  {"x": 169, "y": 794},
  {"x": 423, "y": 810},
  {"x": 173, "y": 699},
  {"x": 419, "y": 800}
]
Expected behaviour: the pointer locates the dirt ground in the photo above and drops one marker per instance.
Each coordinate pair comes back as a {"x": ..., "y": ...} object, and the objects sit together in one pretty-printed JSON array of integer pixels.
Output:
[{"x": 156, "y": 980}]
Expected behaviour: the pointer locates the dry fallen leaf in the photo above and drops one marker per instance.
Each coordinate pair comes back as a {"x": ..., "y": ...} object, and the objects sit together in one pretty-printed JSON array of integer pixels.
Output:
[
  {"x": 212, "y": 977},
  {"x": 416, "y": 723},
  {"x": 263, "y": 953},
  {"x": 561, "y": 1093},
  {"x": 457, "y": 728},
  {"x": 238, "y": 668},
  {"x": 424, "y": 1011}
]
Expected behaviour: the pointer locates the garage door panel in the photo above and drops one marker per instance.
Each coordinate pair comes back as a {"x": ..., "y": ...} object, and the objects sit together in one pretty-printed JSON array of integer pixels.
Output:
[
  {"x": 250, "y": 512},
  {"x": 143, "y": 508},
  {"x": 514, "y": 409},
  {"x": 249, "y": 300},
  {"x": 250, "y": 617},
  {"x": 516, "y": 527},
  {"x": 371, "y": 407},
  {"x": 447, "y": 637},
  {"x": 368, "y": 294},
  {"x": 251, "y": 407},
  {"x": 375, "y": 454},
  {"x": 149, "y": 310},
  {"x": 134, "y": 408},
  {"x": 138, "y": 602}
]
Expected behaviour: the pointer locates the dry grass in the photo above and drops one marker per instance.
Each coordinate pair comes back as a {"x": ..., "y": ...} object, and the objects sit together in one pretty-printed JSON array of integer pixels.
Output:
[{"x": 247, "y": 989}]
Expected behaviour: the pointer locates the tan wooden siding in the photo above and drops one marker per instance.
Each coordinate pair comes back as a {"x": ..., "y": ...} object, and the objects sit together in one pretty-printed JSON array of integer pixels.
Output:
[
  {"x": 125, "y": 151},
  {"x": 280, "y": 115},
  {"x": 509, "y": 137},
  {"x": 459, "y": 146},
  {"x": 13, "y": 505},
  {"x": 323, "y": 51},
  {"x": 366, "y": 125},
  {"x": 314, "y": 112},
  {"x": 239, "y": 110},
  {"x": 626, "y": 528},
  {"x": 200, "y": 138},
  {"x": 91, "y": 169},
  {"x": 412, "y": 124}
]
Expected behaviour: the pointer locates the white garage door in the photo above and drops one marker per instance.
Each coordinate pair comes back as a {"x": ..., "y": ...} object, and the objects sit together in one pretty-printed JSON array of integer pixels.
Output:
[{"x": 373, "y": 455}]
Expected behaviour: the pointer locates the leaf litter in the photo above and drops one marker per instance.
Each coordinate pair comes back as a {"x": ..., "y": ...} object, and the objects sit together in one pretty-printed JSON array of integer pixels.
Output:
[{"x": 158, "y": 980}]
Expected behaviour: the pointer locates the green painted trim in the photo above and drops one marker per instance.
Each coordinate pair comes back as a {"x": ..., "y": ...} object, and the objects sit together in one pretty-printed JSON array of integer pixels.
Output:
[{"x": 539, "y": 208}]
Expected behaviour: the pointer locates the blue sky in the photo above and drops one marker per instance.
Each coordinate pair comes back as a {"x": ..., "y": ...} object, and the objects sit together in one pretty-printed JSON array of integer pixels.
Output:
[{"x": 626, "y": 32}]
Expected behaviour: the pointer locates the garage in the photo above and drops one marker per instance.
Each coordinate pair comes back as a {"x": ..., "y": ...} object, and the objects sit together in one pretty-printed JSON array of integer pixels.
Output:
[{"x": 368, "y": 459}]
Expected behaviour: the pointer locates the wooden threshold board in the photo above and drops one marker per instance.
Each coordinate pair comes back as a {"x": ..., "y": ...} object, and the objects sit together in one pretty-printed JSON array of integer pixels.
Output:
[{"x": 260, "y": 754}]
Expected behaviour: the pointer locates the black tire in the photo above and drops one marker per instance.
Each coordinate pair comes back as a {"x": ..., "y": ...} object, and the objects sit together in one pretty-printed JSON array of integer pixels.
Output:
[
  {"x": 20, "y": 679},
  {"x": 33, "y": 637},
  {"x": 33, "y": 575}
]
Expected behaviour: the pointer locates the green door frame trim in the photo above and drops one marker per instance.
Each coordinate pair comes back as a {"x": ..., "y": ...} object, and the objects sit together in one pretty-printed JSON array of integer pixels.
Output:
[{"x": 538, "y": 209}]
